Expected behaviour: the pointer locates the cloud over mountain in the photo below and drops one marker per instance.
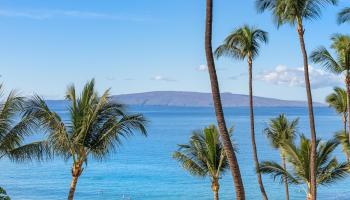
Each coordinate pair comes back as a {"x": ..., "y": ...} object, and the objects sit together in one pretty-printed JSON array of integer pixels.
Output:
[{"x": 283, "y": 75}]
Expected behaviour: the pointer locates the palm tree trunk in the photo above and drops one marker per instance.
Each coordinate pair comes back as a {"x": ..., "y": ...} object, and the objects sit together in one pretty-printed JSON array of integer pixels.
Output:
[
  {"x": 285, "y": 177},
  {"x": 76, "y": 172},
  {"x": 252, "y": 128},
  {"x": 226, "y": 141},
  {"x": 345, "y": 120},
  {"x": 347, "y": 82},
  {"x": 215, "y": 187},
  {"x": 311, "y": 112}
]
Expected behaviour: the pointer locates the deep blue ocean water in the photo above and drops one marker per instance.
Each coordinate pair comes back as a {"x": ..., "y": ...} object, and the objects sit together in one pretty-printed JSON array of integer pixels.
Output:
[{"x": 143, "y": 169}]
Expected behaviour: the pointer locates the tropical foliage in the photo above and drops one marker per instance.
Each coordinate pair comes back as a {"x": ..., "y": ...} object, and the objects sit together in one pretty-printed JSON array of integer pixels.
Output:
[
  {"x": 343, "y": 139},
  {"x": 328, "y": 170},
  {"x": 3, "y": 194},
  {"x": 94, "y": 129},
  {"x": 14, "y": 128},
  {"x": 295, "y": 12},
  {"x": 338, "y": 101},
  {"x": 244, "y": 43},
  {"x": 344, "y": 15},
  {"x": 340, "y": 63},
  {"x": 280, "y": 131},
  {"x": 204, "y": 156}
]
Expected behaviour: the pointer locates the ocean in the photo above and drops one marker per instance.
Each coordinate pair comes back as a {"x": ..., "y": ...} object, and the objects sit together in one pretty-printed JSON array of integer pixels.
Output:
[{"x": 143, "y": 168}]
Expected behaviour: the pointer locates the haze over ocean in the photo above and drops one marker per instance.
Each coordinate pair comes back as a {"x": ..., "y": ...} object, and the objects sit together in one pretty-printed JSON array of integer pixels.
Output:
[{"x": 143, "y": 168}]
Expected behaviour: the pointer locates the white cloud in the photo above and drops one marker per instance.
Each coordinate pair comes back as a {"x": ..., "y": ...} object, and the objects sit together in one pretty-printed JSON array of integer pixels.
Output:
[
  {"x": 283, "y": 75},
  {"x": 49, "y": 14},
  {"x": 202, "y": 68},
  {"x": 162, "y": 78}
]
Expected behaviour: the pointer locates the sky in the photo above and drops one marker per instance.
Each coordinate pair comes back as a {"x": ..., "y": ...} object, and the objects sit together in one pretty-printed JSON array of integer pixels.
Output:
[{"x": 152, "y": 45}]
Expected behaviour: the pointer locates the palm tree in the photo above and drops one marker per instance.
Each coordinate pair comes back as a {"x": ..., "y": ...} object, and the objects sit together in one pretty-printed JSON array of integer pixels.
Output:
[
  {"x": 338, "y": 64},
  {"x": 328, "y": 170},
  {"x": 344, "y": 15},
  {"x": 225, "y": 137},
  {"x": 204, "y": 156},
  {"x": 13, "y": 132},
  {"x": 343, "y": 139},
  {"x": 93, "y": 130},
  {"x": 295, "y": 12},
  {"x": 279, "y": 131},
  {"x": 338, "y": 101},
  {"x": 3, "y": 194},
  {"x": 244, "y": 43}
]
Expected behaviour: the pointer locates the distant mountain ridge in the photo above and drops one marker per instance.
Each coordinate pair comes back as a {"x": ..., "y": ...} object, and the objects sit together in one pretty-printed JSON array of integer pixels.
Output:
[{"x": 198, "y": 99}]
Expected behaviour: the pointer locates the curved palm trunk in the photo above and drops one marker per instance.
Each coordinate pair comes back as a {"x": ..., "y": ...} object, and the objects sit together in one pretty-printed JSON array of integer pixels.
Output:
[
  {"x": 226, "y": 141},
  {"x": 252, "y": 128},
  {"x": 215, "y": 187},
  {"x": 313, "y": 187},
  {"x": 285, "y": 178},
  {"x": 76, "y": 172}
]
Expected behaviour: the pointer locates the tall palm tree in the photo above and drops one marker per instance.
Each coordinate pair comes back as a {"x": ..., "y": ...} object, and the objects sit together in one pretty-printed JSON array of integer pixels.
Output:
[
  {"x": 93, "y": 130},
  {"x": 13, "y": 132},
  {"x": 338, "y": 101},
  {"x": 204, "y": 156},
  {"x": 344, "y": 15},
  {"x": 343, "y": 139},
  {"x": 279, "y": 131},
  {"x": 338, "y": 64},
  {"x": 225, "y": 137},
  {"x": 328, "y": 170},
  {"x": 244, "y": 43},
  {"x": 295, "y": 12}
]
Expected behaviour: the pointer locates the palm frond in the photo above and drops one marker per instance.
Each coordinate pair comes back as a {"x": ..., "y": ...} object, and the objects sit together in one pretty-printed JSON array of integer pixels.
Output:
[
  {"x": 33, "y": 151},
  {"x": 189, "y": 164},
  {"x": 277, "y": 172},
  {"x": 343, "y": 15},
  {"x": 322, "y": 56}
]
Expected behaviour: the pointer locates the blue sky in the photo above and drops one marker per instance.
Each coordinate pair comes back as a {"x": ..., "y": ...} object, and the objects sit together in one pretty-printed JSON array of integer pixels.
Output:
[{"x": 150, "y": 45}]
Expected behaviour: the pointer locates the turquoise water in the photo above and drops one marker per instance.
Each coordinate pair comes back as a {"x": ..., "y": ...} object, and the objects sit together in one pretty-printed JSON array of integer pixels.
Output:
[{"x": 143, "y": 169}]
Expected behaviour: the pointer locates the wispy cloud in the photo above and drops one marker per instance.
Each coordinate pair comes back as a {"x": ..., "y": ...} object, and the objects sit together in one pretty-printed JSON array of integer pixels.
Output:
[
  {"x": 162, "y": 78},
  {"x": 237, "y": 76},
  {"x": 202, "y": 68},
  {"x": 50, "y": 14},
  {"x": 283, "y": 75}
]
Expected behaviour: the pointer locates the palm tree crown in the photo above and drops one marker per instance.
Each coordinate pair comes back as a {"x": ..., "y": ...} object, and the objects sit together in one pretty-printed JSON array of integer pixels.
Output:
[
  {"x": 94, "y": 128},
  {"x": 204, "y": 156},
  {"x": 328, "y": 170},
  {"x": 280, "y": 130},
  {"x": 13, "y": 132},
  {"x": 242, "y": 43},
  {"x": 293, "y": 11}
]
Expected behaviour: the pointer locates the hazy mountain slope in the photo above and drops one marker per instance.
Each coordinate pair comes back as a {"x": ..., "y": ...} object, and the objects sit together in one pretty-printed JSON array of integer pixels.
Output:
[{"x": 197, "y": 99}]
